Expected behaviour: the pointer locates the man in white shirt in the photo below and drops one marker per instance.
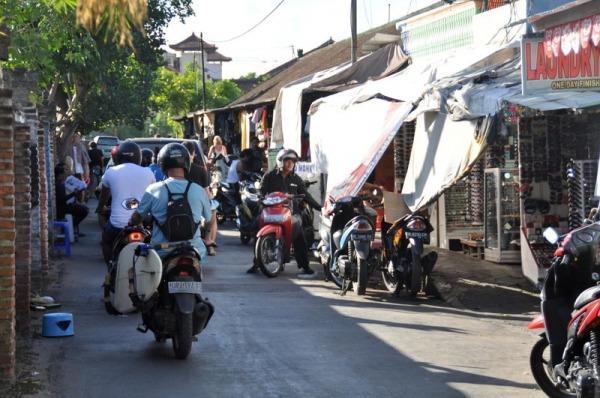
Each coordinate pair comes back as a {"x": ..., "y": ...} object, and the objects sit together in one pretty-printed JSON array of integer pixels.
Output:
[{"x": 125, "y": 181}]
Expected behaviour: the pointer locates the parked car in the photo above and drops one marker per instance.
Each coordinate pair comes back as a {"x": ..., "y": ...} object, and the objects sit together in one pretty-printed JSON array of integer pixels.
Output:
[{"x": 106, "y": 143}]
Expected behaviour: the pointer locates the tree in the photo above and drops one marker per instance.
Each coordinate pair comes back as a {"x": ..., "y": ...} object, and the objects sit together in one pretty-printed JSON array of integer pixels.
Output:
[
  {"x": 92, "y": 80},
  {"x": 178, "y": 94}
]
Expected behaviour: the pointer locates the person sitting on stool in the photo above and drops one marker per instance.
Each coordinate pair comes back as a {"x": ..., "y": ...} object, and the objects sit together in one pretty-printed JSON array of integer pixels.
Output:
[{"x": 63, "y": 205}]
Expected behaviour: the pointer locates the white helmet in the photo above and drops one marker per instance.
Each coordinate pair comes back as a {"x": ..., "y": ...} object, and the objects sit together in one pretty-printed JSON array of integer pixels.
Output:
[{"x": 285, "y": 154}]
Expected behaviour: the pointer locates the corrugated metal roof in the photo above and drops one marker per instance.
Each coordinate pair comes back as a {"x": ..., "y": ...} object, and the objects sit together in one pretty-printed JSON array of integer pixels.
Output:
[{"x": 321, "y": 59}]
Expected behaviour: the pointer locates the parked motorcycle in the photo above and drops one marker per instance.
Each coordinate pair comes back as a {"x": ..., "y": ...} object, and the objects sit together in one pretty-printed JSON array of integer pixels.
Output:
[
  {"x": 167, "y": 291},
  {"x": 345, "y": 250},
  {"x": 403, "y": 262},
  {"x": 575, "y": 266},
  {"x": 249, "y": 208}
]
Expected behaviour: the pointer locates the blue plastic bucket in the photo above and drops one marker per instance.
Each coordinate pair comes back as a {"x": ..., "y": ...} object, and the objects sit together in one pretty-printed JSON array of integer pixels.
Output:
[{"x": 58, "y": 324}]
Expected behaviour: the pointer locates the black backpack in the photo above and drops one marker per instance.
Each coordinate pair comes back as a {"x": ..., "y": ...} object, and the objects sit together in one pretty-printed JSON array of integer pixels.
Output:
[{"x": 179, "y": 225}]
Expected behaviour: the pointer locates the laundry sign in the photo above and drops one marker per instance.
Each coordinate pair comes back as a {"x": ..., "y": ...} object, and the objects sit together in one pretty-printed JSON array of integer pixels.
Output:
[{"x": 566, "y": 57}]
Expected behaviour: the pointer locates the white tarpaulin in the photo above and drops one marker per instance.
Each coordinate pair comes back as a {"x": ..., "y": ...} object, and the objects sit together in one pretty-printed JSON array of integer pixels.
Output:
[
  {"x": 287, "y": 116},
  {"x": 352, "y": 143},
  {"x": 349, "y": 131},
  {"x": 443, "y": 151}
]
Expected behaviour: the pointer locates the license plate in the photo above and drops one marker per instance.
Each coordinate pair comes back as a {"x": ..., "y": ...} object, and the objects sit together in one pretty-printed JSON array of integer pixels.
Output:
[
  {"x": 420, "y": 235},
  {"x": 185, "y": 287},
  {"x": 356, "y": 236}
]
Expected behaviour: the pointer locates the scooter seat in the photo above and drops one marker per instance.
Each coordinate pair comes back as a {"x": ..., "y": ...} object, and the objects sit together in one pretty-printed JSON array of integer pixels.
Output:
[
  {"x": 337, "y": 236},
  {"x": 587, "y": 296}
]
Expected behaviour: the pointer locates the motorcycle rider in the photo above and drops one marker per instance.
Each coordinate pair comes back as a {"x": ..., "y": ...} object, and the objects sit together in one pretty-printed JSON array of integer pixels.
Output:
[
  {"x": 283, "y": 179},
  {"x": 124, "y": 181},
  {"x": 174, "y": 160},
  {"x": 147, "y": 156}
]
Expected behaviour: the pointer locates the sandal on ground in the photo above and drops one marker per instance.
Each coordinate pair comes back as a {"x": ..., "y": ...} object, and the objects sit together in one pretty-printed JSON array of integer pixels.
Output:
[{"x": 211, "y": 250}]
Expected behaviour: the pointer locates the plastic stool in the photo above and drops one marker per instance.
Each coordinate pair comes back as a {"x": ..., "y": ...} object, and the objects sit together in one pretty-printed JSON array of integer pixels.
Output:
[
  {"x": 69, "y": 219},
  {"x": 58, "y": 324},
  {"x": 65, "y": 234}
]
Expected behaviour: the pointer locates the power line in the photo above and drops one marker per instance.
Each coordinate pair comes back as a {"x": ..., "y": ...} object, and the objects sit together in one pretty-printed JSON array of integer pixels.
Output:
[{"x": 253, "y": 27}]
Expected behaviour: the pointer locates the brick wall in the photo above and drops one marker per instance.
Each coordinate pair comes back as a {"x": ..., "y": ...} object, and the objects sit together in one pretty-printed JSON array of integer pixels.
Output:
[
  {"x": 23, "y": 221},
  {"x": 7, "y": 239},
  {"x": 43, "y": 201}
]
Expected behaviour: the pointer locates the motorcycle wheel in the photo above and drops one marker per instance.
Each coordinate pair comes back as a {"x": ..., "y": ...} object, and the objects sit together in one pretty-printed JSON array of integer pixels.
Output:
[
  {"x": 541, "y": 368},
  {"x": 182, "y": 338},
  {"x": 269, "y": 258},
  {"x": 333, "y": 276},
  {"x": 415, "y": 278},
  {"x": 360, "y": 286},
  {"x": 392, "y": 283},
  {"x": 245, "y": 238}
]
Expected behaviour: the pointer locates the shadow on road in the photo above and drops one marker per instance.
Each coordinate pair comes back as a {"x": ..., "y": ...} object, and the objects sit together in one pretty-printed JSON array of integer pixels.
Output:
[{"x": 268, "y": 338}]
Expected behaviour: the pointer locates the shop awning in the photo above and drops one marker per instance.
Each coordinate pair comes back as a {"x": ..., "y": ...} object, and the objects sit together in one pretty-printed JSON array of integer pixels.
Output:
[
  {"x": 350, "y": 131},
  {"x": 554, "y": 100},
  {"x": 287, "y": 118}
]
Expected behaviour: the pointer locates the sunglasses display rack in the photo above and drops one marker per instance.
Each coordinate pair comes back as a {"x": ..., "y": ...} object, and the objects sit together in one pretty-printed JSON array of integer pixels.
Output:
[
  {"x": 403, "y": 143},
  {"x": 456, "y": 200},
  {"x": 475, "y": 187},
  {"x": 581, "y": 191}
]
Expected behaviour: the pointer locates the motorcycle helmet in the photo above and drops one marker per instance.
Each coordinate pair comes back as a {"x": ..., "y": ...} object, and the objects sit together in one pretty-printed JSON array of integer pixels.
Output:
[
  {"x": 129, "y": 152},
  {"x": 147, "y": 156},
  {"x": 284, "y": 154},
  {"x": 173, "y": 156}
]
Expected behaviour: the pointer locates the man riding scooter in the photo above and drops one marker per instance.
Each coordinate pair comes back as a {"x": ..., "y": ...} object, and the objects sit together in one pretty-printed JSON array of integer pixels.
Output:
[
  {"x": 125, "y": 181},
  {"x": 284, "y": 179}
]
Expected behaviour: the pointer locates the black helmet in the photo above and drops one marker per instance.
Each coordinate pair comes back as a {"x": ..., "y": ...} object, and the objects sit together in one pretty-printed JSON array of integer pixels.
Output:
[
  {"x": 129, "y": 152},
  {"x": 147, "y": 156},
  {"x": 174, "y": 156}
]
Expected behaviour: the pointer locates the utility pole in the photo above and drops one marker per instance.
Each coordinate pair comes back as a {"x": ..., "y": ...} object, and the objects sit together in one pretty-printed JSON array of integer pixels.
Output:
[
  {"x": 353, "y": 29},
  {"x": 203, "y": 77},
  {"x": 389, "y": 11},
  {"x": 203, "y": 84}
]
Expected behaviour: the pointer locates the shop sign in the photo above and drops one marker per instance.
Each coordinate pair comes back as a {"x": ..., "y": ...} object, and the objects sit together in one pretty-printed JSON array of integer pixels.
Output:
[{"x": 567, "y": 57}]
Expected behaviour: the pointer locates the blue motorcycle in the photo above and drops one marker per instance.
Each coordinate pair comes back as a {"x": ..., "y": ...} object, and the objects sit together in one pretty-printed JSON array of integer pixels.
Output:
[{"x": 346, "y": 251}]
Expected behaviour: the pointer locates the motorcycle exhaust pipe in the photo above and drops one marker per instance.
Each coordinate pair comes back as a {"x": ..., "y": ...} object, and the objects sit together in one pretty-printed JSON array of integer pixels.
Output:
[
  {"x": 428, "y": 262},
  {"x": 202, "y": 313}
]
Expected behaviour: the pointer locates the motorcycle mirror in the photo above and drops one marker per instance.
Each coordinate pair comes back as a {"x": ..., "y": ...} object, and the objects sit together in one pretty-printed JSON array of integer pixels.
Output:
[
  {"x": 551, "y": 235},
  {"x": 130, "y": 204},
  {"x": 595, "y": 276}
]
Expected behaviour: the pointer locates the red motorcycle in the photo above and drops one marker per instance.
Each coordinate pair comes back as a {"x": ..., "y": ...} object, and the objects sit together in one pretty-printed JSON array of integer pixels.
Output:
[
  {"x": 274, "y": 238},
  {"x": 575, "y": 267}
]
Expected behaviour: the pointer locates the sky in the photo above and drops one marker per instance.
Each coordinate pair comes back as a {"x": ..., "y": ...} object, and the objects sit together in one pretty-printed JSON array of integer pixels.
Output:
[{"x": 296, "y": 24}]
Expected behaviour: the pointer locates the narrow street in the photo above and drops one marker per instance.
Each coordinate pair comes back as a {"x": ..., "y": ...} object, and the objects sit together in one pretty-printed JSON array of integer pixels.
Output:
[{"x": 284, "y": 337}]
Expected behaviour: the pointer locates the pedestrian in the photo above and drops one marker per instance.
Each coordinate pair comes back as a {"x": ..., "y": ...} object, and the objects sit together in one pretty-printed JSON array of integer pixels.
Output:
[
  {"x": 217, "y": 152},
  {"x": 199, "y": 175},
  {"x": 81, "y": 160},
  {"x": 96, "y": 166}
]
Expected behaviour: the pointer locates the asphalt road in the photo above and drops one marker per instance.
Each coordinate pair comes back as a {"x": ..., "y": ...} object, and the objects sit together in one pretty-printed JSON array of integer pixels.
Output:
[{"x": 284, "y": 337}]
